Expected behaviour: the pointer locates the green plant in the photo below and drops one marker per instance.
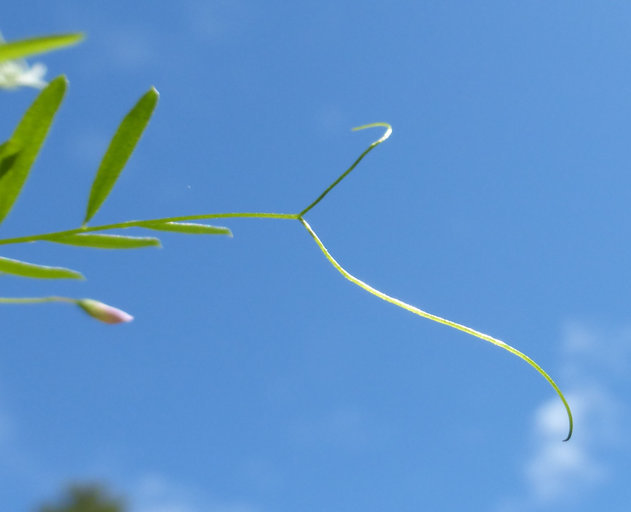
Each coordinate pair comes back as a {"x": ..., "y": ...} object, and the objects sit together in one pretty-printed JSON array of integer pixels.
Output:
[{"x": 19, "y": 152}]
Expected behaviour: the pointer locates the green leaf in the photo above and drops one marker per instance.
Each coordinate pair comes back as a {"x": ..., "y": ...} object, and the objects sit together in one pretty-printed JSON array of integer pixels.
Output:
[
  {"x": 21, "y": 268},
  {"x": 107, "y": 241},
  {"x": 27, "y": 47},
  {"x": 28, "y": 137},
  {"x": 187, "y": 227},
  {"x": 8, "y": 148},
  {"x": 8, "y": 153},
  {"x": 120, "y": 149}
]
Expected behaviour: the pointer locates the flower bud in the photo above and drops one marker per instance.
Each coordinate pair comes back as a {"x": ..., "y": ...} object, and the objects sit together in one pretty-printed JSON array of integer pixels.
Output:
[{"x": 103, "y": 312}]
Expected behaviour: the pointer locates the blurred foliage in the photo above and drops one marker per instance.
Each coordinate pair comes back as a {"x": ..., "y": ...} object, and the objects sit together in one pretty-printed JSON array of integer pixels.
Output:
[{"x": 86, "y": 498}]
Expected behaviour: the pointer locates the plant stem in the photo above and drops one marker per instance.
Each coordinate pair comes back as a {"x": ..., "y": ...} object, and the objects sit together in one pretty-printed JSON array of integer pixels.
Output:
[
  {"x": 139, "y": 223},
  {"x": 35, "y": 300},
  {"x": 299, "y": 217}
]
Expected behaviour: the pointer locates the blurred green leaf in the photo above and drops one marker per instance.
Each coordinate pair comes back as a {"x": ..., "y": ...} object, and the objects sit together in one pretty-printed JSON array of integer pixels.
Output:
[
  {"x": 21, "y": 268},
  {"x": 28, "y": 47},
  {"x": 28, "y": 137},
  {"x": 187, "y": 227},
  {"x": 107, "y": 241},
  {"x": 120, "y": 149}
]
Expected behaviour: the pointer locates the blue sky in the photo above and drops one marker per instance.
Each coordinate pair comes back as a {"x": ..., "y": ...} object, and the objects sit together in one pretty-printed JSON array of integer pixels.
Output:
[{"x": 254, "y": 377}]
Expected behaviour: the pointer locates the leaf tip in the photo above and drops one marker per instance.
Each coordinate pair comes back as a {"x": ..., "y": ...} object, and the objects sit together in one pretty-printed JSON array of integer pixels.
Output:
[
  {"x": 152, "y": 96},
  {"x": 60, "y": 78},
  {"x": 59, "y": 82}
]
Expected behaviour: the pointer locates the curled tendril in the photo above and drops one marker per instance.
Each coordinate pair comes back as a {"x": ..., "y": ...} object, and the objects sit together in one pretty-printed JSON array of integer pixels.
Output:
[
  {"x": 354, "y": 164},
  {"x": 409, "y": 307}
]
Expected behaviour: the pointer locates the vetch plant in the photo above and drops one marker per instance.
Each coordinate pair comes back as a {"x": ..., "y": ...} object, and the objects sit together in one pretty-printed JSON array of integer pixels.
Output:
[{"x": 19, "y": 152}]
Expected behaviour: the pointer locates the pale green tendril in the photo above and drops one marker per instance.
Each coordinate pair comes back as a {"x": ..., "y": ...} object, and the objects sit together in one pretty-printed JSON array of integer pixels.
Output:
[
  {"x": 51, "y": 237},
  {"x": 35, "y": 300},
  {"x": 359, "y": 159},
  {"x": 405, "y": 305},
  {"x": 440, "y": 320}
]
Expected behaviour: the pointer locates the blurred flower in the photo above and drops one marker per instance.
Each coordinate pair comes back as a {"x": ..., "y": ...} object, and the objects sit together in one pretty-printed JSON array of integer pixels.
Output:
[
  {"x": 103, "y": 312},
  {"x": 17, "y": 73}
]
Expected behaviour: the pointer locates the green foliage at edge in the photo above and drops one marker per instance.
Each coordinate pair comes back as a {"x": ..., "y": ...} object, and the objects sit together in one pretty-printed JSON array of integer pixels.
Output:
[
  {"x": 27, "y": 47},
  {"x": 86, "y": 498},
  {"x": 26, "y": 141},
  {"x": 120, "y": 149}
]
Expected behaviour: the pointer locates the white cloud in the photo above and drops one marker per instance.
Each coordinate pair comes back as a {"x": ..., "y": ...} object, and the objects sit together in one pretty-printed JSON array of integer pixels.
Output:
[
  {"x": 218, "y": 20},
  {"x": 131, "y": 47},
  {"x": 555, "y": 471},
  {"x": 593, "y": 350}
]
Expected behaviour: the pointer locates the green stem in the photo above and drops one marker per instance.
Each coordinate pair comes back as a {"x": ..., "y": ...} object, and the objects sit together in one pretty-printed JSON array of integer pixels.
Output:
[
  {"x": 359, "y": 159},
  {"x": 35, "y": 300},
  {"x": 440, "y": 320},
  {"x": 139, "y": 223}
]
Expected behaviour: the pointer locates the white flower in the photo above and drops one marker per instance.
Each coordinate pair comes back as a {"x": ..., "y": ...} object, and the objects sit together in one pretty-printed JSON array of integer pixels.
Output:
[{"x": 17, "y": 73}]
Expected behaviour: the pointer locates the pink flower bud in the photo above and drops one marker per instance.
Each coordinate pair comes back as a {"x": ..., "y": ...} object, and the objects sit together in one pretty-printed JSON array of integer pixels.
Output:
[{"x": 103, "y": 312}]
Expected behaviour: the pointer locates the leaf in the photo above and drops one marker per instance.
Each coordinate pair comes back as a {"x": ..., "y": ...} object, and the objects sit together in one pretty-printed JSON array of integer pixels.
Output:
[
  {"x": 8, "y": 148},
  {"x": 28, "y": 136},
  {"x": 8, "y": 153},
  {"x": 187, "y": 227},
  {"x": 107, "y": 241},
  {"x": 21, "y": 268},
  {"x": 28, "y": 47},
  {"x": 120, "y": 149}
]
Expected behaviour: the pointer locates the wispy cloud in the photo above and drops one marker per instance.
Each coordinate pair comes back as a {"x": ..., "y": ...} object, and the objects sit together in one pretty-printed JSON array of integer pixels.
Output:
[
  {"x": 155, "y": 493},
  {"x": 151, "y": 492},
  {"x": 6, "y": 428},
  {"x": 344, "y": 427},
  {"x": 589, "y": 351},
  {"x": 131, "y": 47},
  {"x": 556, "y": 471},
  {"x": 218, "y": 20},
  {"x": 593, "y": 363}
]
